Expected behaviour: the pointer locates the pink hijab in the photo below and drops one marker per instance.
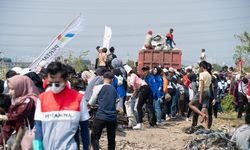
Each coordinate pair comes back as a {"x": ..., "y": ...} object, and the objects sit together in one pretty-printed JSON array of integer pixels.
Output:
[{"x": 24, "y": 88}]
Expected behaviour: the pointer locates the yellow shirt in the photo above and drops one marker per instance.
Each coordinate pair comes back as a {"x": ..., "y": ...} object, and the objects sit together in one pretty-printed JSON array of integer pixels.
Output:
[{"x": 206, "y": 77}]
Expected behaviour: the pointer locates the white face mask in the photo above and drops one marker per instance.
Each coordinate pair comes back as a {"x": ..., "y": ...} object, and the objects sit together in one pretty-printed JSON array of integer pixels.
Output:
[{"x": 57, "y": 87}]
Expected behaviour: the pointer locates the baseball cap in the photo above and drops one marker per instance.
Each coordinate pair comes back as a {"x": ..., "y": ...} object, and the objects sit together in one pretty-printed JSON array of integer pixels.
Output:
[
  {"x": 145, "y": 68},
  {"x": 171, "y": 69},
  {"x": 165, "y": 70},
  {"x": 18, "y": 70},
  {"x": 25, "y": 71}
]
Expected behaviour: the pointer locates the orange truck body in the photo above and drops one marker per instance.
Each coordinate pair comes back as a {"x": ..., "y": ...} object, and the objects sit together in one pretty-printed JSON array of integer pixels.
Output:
[{"x": 162, "y": 58}]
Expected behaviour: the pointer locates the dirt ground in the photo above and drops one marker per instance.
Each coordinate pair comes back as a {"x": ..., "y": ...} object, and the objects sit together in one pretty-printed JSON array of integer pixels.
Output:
[{"x": 169, "y": 136}]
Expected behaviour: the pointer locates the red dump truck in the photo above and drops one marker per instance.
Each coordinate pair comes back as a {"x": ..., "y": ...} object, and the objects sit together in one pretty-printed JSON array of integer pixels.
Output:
[{"x": 163, "y": 58}]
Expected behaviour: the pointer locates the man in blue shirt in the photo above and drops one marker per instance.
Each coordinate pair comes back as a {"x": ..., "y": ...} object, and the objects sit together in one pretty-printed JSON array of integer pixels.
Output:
[
  {"x": 150, "y": 80},
  {"x": 105, "y": 95}
]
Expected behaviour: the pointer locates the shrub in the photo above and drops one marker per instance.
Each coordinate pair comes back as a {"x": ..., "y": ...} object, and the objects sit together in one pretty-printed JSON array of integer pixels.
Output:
[{"x": 228, "y": 103}]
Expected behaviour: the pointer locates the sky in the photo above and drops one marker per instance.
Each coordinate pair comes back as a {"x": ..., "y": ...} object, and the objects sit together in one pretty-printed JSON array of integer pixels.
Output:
[{"x": 28, "y": 26}]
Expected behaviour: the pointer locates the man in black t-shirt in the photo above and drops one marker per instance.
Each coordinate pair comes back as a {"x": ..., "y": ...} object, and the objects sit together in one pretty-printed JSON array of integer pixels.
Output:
[{"x": 111, "y": 56}]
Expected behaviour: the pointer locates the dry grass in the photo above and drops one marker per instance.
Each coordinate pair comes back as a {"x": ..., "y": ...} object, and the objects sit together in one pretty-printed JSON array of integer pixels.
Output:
[{"x": 169, "y": 136}]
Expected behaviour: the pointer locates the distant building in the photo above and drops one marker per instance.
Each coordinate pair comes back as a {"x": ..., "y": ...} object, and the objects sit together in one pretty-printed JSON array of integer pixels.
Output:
[
  {"x": 6, "y": 60},
  {"x": 8, "y": 64}
]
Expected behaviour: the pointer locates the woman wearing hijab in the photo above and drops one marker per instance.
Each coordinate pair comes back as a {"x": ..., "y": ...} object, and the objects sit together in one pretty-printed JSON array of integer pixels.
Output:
[
  {"x": 24, "y": 95},
  {"x": 118, "y": 84},
  {"x": 158, "y": 86},
  {"x": 37, "y": 80},
  {"x": 117, "y": 64}
]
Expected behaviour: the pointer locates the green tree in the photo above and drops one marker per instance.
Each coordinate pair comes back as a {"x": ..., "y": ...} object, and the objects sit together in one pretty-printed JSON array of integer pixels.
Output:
[
  {"x": 77, "y": 61},
  {"x": 247, "y": 69},
  {"x": 131, "y": 63},
  {"x": 242, "y": 51},
  {"x": 216, "y": 67}
]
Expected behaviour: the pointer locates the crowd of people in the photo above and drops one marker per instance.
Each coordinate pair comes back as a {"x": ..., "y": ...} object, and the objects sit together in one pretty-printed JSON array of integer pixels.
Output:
[{"x": 57, "y": 102}]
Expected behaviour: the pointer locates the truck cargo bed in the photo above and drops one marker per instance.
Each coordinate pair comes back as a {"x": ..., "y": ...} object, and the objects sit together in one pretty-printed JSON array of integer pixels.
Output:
[{"x": 163, "y": 58}]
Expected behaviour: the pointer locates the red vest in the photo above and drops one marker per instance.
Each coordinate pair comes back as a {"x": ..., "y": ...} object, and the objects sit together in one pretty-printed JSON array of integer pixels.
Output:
[{"x": 67, "y": 99}]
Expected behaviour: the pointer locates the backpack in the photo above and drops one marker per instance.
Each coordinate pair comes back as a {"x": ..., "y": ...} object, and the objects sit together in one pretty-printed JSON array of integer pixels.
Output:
[
  {"x": 223, "y": 87},
  {"x": 172, "y": 89},
  {"x": 119, "y": 80},
  {"x": 110, "y": 57}
]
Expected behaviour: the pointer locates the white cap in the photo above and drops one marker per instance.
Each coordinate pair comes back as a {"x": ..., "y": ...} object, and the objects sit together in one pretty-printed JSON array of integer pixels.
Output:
[
  {"x": 25, "y": 71},
  {"x": 171, "y": 69},
  {"x": 165, "y": 70},
  {"x": 188, "y": 67},
  {"x": 127, "y": 68},
  {"x": 42, "y": 63},
  {"x": 18, "y": 70}
]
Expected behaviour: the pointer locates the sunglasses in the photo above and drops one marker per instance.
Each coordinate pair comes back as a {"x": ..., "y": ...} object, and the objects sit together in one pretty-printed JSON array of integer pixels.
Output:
[{"x": 55, "y": 83}]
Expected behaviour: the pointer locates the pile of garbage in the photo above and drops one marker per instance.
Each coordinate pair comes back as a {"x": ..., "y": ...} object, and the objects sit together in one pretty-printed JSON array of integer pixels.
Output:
[
  {"x": 214, "y": 140},
  {"x": 159, "y": 42},
  {"x": 197, "y": 130}
]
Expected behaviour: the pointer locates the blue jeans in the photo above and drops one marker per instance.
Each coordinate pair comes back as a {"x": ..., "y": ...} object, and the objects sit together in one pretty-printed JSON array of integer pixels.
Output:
[
  {"x": 157, "y": 108},
  {"x": 174, "y": 103},
  {"x": 169, "y": 42}
]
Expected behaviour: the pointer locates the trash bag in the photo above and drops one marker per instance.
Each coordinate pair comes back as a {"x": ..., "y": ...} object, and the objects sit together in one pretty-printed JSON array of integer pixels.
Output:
[
  {"x": 131, "y": 114},
  {"x": 211, "y": 141},
  {"x": 192, "y": 130}
]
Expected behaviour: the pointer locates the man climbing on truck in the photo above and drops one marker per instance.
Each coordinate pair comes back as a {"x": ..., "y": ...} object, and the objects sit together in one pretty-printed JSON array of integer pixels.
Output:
[
  {"x": 170, "y": 39},
  {"x": 148, "y": 39}
]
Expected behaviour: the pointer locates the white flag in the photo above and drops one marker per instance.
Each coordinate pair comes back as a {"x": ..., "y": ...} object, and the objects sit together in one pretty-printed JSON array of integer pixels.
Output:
[
  {"x": 54, "y": 48},
  {"x": 107, "y": 37}
]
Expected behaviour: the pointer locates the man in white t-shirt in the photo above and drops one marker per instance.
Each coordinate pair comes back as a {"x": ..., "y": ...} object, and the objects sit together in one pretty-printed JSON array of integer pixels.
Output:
[
  {"x": 242, "y": 134},
  {"x": 203, "y": 55}
]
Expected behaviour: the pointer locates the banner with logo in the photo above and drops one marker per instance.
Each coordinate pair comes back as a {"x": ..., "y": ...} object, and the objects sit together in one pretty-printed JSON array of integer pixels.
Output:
[
  {"x": 54, "y": 48},
  {"x": 107, "y": 37}
]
